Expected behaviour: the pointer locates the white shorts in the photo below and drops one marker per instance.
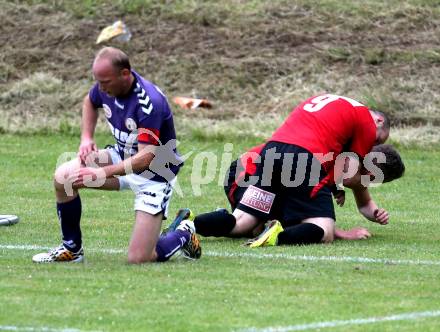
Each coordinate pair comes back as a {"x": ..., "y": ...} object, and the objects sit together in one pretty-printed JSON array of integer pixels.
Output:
[{"x": 152, "y": 197}]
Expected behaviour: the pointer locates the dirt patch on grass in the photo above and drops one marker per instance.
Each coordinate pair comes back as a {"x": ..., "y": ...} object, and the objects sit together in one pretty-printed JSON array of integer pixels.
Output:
[{"x": 254, "y": 60}]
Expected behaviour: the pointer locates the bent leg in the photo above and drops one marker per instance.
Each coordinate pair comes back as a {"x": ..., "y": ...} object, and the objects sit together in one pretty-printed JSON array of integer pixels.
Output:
[
  {"x": 222, "y": 223},
  {"x": 151, "y": 206},
  {"x": 216, "y": 223},
  {"x": 66, "y": 191},
  {"x": 245, "y": 223},
  {"x": 327, "y": 225},
  {"x": 144, "y": 238},
  {"x": 69, "y": 202},
  {"x": 310, "y": 231},
  {"x": 146, "y": 245}
]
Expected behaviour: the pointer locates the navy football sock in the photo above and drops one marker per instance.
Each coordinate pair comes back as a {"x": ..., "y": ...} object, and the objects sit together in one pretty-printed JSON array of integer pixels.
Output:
[
  {"x": 216, "y": 223},
  {"x": 301, "y": 234},
  {"x": 69, "y": 215},
  {"x": 170, "y": 243}
]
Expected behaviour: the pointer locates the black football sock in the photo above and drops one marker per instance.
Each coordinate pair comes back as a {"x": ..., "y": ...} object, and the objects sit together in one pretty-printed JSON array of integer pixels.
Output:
[
  {"x": 69, "y": 214},
  {"x": 216, "y": 223},
  {"x": 301, "y": 234}
]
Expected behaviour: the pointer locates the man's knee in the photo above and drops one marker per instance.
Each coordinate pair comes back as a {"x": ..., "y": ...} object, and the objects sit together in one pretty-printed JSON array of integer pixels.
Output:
[
  {"x": 327, "y": 225},
  {"x": 139, "y": 257},
  {"x": 244, "y": 224},
  {"x": 143, "y": 243},
  {"x": 62, "y": 174},
  {"x": 329, "y": 236}
]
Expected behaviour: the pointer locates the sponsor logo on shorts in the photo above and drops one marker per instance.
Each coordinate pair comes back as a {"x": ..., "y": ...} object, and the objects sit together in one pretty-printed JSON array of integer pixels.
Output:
[
  {"x": 258, "y": 199},
  {"x": 156, "y": 206},
  {"x": 149, "y": 193}
]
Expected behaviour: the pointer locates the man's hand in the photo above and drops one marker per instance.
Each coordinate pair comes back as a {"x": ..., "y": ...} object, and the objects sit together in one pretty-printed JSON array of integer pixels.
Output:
[
  {"x": 339, "y": 197},
  {"x": 357, "y": 233},
  {"x": 381, "y": 216},
  {"x": 86, "y": 147},
  {"x": 88, "y": 177}
]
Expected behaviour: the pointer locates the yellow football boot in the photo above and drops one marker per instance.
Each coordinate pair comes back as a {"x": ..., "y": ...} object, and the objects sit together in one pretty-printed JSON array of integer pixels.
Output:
[{"x": 269, "y": 237}]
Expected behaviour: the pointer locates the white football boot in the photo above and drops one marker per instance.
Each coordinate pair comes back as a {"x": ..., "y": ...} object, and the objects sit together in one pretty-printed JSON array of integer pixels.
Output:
[
  {"x": 60, "y": 254},
  {"x": 192, "y": 248}
]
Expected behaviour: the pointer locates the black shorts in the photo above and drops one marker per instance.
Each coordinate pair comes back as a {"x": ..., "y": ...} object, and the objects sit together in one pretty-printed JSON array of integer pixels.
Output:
[
  {"x": 292, "y": 202},
  {"x": 233, "y": 192}
]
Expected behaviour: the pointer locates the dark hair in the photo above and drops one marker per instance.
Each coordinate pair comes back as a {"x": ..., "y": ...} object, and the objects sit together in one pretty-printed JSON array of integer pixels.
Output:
[
  {"x": 393, "y": 168},
  {"x": 386, "y": 119},
  {"x": 117, "y": 57}
]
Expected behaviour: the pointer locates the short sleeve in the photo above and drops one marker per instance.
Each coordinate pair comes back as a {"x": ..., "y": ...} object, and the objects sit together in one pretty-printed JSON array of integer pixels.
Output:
[
  {"x": 151, "y": 121},
  {"x": 95, "y": 96},
  {"x": 363, "y": 138}
]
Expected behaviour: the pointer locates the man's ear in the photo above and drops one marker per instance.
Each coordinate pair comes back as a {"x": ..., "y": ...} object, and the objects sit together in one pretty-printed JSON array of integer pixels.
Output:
[
  {"x": 379, "y": 121},
  {"x": 125, "y": 72}
]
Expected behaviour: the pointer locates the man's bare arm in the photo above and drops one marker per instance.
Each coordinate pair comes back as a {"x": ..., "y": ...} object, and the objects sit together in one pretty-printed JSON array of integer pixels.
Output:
[
  {"x": 365, "y": 204},
  {"x": 88, "y": 125}
]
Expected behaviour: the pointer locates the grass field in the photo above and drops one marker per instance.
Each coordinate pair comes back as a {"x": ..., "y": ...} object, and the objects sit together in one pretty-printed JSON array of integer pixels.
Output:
[
  {"x": 386, "y": 283},
  {"x": 254, "y": 60}
]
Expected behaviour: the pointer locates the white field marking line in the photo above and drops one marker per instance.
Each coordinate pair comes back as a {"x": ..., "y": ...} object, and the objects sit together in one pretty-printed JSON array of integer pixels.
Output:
[
  {"x": 326, "y": 258},
  {"x": 338, "y": 323},
  {"x": 224, "y": 254},
  {"x": 38, "y": 329},
  {"x": 34, "y": 247}
]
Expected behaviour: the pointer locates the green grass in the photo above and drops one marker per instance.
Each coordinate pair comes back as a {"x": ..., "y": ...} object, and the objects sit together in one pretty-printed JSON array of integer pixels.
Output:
[
  {"x": 231, "y": 287},
  {"x": 254, "y": 60}
]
